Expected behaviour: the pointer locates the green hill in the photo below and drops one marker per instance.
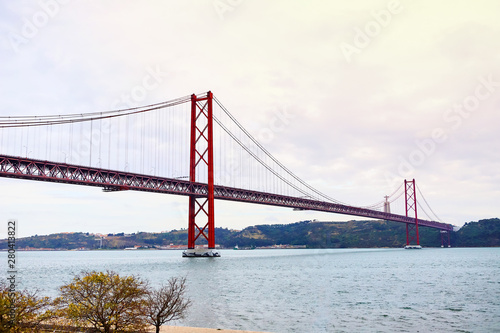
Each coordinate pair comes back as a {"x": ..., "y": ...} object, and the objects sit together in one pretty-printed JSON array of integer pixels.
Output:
[
  {"x": 481, "y": 233},
  {"x": 359, "y": 234},
  {"x": 363, "y": 234}
]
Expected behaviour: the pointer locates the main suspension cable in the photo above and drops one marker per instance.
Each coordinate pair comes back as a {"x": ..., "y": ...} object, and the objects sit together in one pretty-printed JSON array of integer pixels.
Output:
[
  {"x": 49, "y": 120},
  {"x": 320, "y": 194},
  {"x": 420, "y": 192}
]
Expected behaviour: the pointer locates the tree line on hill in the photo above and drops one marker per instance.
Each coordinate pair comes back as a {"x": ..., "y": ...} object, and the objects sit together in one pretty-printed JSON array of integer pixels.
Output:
[{"x": 352, "y": 234}]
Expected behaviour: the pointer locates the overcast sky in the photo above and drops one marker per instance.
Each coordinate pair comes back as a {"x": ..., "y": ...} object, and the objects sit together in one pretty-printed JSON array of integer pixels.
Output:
[{"x": 378, "y": 91}]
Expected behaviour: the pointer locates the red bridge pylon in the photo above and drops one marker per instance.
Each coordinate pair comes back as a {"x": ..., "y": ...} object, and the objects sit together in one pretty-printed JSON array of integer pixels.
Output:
[
  {"x": 201, "y": 205},
  {"x": 445, "y": 238},
  {"x": 411, "y": 209}
]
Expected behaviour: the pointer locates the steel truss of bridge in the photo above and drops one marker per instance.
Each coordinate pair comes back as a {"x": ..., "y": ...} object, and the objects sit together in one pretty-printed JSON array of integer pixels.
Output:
[{"x": 109, "y": 180}]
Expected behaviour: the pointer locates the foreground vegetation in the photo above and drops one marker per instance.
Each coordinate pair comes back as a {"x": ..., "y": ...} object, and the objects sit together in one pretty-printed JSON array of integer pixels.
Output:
[
  {"x": 94, "y": 302},
  {"x": 358, "y": 234}
]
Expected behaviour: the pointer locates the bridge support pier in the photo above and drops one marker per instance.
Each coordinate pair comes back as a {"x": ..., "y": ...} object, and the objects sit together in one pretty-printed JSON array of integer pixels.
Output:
[
  {"x": 201, "y": 205},
  {"x": 411, "y": 207},
  {"x": 445, "y": 238}
]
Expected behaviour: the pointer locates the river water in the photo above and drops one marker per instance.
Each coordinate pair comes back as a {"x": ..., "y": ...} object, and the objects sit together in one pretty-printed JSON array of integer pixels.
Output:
[{"x": 331, "y": 290}]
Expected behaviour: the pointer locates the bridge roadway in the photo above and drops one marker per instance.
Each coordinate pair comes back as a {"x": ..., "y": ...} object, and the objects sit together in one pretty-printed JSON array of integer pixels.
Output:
[{"x": 109, "y": 180}]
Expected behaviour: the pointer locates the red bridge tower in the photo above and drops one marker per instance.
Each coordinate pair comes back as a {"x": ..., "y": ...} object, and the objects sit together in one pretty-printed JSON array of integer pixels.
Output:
[
  {"x": 201, "y": 205},
  {"x": 411, "y": 207}
]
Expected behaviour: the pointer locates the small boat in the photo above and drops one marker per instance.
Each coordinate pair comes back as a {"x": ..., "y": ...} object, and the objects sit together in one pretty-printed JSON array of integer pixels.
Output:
[{"x": 236, "y": 247}]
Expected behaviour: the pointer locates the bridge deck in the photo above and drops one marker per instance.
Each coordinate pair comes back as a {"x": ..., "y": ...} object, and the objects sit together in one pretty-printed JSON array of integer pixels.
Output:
[{"x": 110, "y": 180}]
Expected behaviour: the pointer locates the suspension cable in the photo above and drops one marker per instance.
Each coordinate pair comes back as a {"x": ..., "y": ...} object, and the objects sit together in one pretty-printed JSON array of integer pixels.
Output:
[
  {"x": 422, "y": 209},
  {"x": 49, "y": 120},
  {"x": 320, "y": 194},
  {"x": 420, "y": 192},
  {"x": 256, "y": 157}
]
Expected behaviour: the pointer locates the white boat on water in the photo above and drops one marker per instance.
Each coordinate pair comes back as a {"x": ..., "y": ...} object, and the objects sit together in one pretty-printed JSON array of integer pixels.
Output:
[{"x": 413, "y": 247}]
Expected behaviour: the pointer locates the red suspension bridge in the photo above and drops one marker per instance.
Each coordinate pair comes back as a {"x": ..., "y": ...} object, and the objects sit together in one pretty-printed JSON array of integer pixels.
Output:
[{"x": 189, "y": 146}]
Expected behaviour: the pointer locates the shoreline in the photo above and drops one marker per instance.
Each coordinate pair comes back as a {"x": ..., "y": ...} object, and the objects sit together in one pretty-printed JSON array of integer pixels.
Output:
[{"x": 186, "y": 329}]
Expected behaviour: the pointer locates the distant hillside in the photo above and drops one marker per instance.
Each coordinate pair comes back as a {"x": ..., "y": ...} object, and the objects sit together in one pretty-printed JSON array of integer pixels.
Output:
[
  {"x": 364, "y": 234},
  {"x": 359, "y": 234},
  {"x": 481, "y": 233}
]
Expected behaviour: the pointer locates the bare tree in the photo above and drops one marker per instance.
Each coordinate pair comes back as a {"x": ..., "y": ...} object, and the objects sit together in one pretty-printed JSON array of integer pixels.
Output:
[{"x": 167, "y": 303}]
